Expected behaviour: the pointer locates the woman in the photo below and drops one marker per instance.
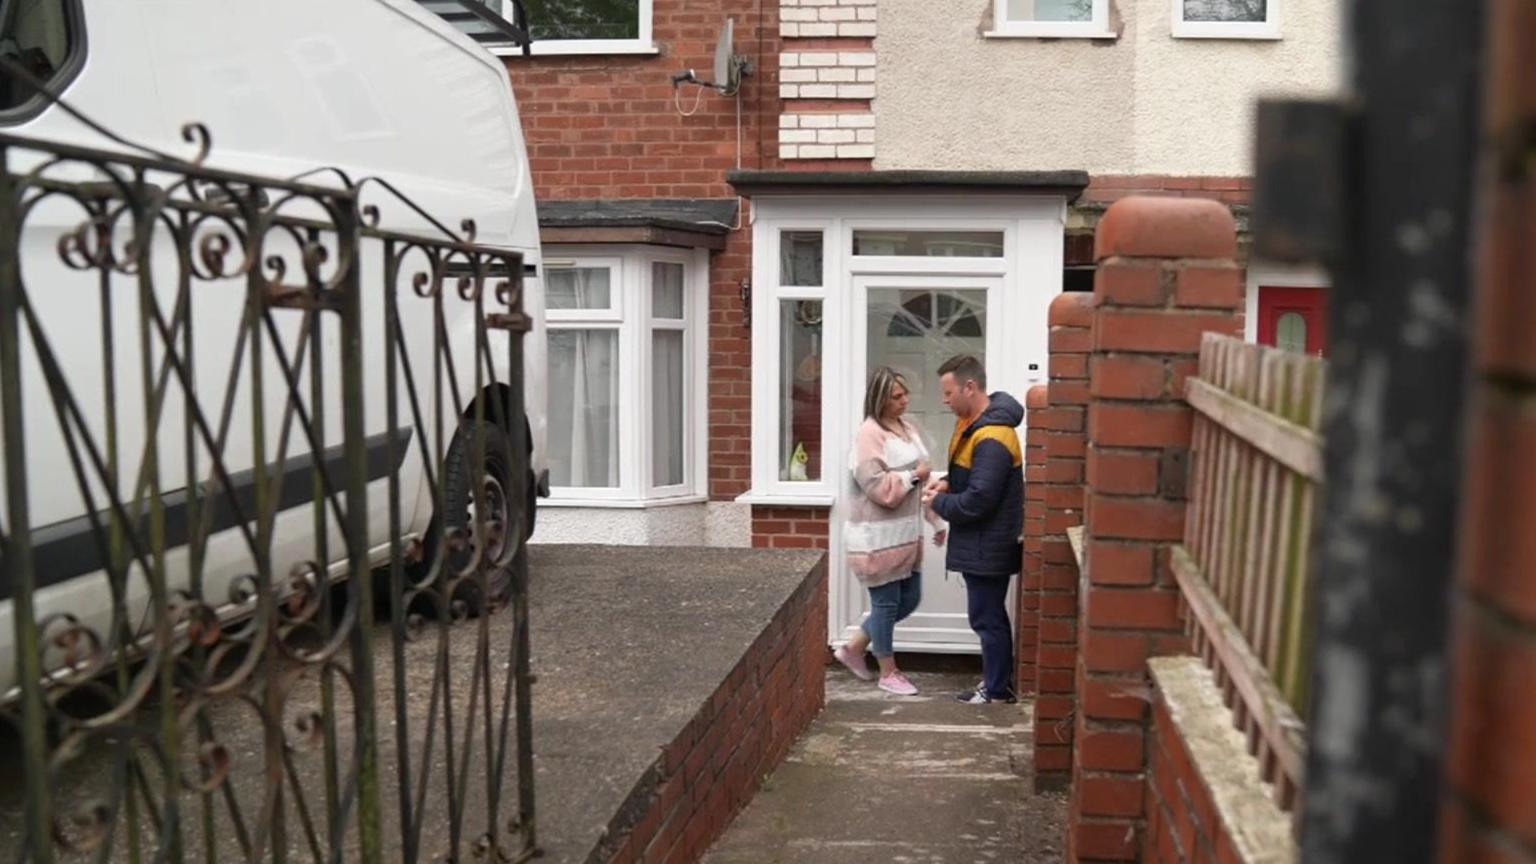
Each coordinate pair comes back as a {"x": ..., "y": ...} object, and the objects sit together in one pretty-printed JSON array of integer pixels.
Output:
[{"x": 884, "y": 532}]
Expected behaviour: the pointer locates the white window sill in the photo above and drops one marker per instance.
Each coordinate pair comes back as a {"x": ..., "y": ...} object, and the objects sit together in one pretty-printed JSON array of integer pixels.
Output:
[
  {"x": 787, "y": 499},
  {"x": 1234, "y": 35},
  {"x": 552, "y": 49},
  {"x": 623, "y": 503},
  {"x": 1051, "y": 34}
]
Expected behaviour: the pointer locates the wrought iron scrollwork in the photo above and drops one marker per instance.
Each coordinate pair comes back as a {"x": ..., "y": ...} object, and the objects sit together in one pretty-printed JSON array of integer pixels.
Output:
[{"x": 201, "y": 375}]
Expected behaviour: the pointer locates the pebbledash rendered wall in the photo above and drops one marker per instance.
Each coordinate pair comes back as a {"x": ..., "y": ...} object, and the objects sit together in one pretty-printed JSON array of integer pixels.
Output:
[{"x": 1142, "y": 104}]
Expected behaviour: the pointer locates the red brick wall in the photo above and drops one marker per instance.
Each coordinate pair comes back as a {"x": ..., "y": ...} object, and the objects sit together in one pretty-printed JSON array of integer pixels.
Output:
[
  {"x": 606, "y": 127},
  {"x": 714, "y": 767},
  {"x": 1060, "y": 491},
  {"x": 1183, "y": 823},
  {"x": 1166, "y": 275},
  {"x": 1177, "y": 806},
  {"x": 1490, "y": 804},
  {"x": 790, "y": 527},
  {"x": 1026, "y": 615},
  {"x": 730, "y": 371},
  {"x": 1107, "y": 188}
]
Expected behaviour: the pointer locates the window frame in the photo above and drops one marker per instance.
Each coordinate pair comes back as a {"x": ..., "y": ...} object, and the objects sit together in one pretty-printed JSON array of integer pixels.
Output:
[
  {"x": 688, "y": 326},
  {"x": 1266, "y": 30},
  {"x": 644, "y": 43},
  {"x": 1096, "y": 27},
  {"x": 64, "y": 76},
  {"x": 767, "y": 407},
  {"x": 632, "y": 317},
  {"x": 614, "y": 313}
]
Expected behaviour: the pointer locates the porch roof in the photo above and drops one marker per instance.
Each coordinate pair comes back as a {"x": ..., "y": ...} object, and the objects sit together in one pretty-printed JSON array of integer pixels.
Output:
[
  {"x": 690, "y": 222},
  {"x": 1069, "y": 184}
]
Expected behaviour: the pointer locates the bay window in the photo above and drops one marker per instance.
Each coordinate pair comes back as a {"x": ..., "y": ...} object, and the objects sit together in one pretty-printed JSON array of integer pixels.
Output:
[{"x": 626, "y": 331}]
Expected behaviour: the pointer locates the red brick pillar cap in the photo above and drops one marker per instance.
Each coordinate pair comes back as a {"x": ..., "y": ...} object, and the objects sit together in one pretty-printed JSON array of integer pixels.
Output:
[
  {"x": 1072, "y": 309},
  {"x": 1151, "y": 227},
  {"x": 1038, "y": 397}
]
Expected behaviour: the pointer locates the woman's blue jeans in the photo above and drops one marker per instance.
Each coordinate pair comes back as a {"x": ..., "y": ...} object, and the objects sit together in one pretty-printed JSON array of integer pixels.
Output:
[{"x": 890, "y": 603}]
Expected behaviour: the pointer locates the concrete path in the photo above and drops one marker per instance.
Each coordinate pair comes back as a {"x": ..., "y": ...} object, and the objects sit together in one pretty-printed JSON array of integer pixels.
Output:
[{"x": 920, "y": 780}]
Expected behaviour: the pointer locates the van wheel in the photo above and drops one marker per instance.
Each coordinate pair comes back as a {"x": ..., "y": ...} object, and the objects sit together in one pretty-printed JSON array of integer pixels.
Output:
[{"x": 459, "y": 477}]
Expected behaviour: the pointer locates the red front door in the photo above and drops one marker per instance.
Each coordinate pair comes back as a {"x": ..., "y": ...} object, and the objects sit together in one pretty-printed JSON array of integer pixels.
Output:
[{"x": 1294, "y": 318}]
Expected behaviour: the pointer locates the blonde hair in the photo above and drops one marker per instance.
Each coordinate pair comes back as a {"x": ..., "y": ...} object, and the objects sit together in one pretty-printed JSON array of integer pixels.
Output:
[{"x": 882, "y": 382}]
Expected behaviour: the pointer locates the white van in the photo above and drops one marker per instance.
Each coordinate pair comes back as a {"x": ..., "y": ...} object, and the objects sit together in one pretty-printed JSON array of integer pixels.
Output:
[{"x": 373, "y": 88}]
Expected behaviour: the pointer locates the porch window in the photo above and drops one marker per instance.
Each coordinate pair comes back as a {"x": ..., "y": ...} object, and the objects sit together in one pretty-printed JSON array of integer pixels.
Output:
[
  {"x": 800, "y": 390},
  {"x": 1051, "y": 18},
  {"x": 791, "y": 348},
  {"x": 625, "y": 375},
  {"x": 1226, "y": 19},
  {"x": 588, "y": 26},
  {"x": 929, "y": 244}
]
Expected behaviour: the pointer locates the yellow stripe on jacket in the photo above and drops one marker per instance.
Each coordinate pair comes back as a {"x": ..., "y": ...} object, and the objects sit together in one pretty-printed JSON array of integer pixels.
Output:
[{"x": 962, "y": 452}]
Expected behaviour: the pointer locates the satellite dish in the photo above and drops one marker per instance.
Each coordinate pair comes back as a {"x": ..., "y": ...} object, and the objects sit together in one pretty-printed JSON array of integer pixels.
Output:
[
  {"x": 727, "y": 64},
  {"x": 729, "y": 69}
]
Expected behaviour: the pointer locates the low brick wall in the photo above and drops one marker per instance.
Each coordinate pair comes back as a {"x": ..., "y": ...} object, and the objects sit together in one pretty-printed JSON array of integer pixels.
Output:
[
  {"x": 712, "y": 769},
  {"x": 790, "y": 527},
  {"x": 1204, "y": 799}
]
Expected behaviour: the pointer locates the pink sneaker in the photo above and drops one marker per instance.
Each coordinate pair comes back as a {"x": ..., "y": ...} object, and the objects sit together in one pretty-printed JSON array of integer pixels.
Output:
[
  {"x": 897, "y": 683},
  {"x": 854, "y": 664}
]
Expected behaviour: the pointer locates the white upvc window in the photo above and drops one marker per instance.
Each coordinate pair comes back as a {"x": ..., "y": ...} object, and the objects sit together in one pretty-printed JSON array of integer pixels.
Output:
[
  {"x": 790, "y": 436},
  {"x": 627, "y": 374},
  {"x": 1226, "y": 19},
  {"x": 1053, "y": 19},
  {"x": 586, "y": 27}
]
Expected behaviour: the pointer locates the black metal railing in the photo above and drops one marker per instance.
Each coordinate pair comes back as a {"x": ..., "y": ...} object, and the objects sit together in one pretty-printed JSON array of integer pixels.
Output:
[
  {"x": 265, "y": 494},
  {"x": 483, "y": 21}
]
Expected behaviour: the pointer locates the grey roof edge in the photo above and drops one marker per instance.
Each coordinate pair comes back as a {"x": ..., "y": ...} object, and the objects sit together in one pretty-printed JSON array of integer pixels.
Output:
[
  {"x": 1070, "y": 183},
  {"x": 715, "y": 216}
]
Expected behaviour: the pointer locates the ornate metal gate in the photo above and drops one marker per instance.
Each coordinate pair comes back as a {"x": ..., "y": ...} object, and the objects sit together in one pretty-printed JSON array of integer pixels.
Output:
[{"x": 265, "y": 471}]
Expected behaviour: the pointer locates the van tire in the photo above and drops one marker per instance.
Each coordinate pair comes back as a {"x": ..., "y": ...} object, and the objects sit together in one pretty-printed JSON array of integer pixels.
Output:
[{"x": 458, "y": 476}]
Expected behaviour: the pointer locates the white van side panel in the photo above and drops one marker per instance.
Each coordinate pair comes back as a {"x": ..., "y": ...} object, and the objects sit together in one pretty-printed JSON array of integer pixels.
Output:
[{"x": 373, "y": 87}]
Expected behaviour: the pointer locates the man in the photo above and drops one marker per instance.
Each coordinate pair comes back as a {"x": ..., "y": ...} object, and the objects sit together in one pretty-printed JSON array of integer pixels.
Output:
[{"x": 983, "y": 500}]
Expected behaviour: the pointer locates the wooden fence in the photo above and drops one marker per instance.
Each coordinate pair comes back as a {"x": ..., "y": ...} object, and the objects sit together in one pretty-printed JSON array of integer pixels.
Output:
[{"x": 1244, "y": 566}]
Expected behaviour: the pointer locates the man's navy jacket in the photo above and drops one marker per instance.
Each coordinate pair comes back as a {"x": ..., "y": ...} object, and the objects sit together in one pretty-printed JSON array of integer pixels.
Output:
[{"x": 985, "y": 503}]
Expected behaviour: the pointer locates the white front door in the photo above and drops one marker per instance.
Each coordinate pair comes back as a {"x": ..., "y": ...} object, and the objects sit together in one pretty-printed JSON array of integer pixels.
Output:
[{"x": 913, "y": 323}]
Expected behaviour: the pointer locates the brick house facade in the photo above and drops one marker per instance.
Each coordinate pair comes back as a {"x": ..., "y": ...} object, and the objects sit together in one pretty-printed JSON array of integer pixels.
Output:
[{"x": 940, "y": 171}]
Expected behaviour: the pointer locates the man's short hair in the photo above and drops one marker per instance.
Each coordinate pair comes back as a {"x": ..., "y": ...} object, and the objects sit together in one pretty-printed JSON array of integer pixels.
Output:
[{"x": 965, "y": 368}]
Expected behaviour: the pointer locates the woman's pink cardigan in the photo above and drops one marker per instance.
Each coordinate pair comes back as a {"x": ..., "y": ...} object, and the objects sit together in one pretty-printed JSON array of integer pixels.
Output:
[{"x": 883, "y": 535}]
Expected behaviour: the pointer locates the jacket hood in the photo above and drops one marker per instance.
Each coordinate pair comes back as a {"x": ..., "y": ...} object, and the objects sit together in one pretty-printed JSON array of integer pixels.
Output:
[{"x": 1004, "y": 410}]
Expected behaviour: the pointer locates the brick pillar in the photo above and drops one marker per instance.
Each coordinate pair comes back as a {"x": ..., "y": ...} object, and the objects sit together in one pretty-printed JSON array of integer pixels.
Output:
[
  {"x": 1489, "y": 811},
  {"x": 1166, "y": 276},
  {"x": 1027, "y": 608},
  {"x": 1071, "y": 316}
]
